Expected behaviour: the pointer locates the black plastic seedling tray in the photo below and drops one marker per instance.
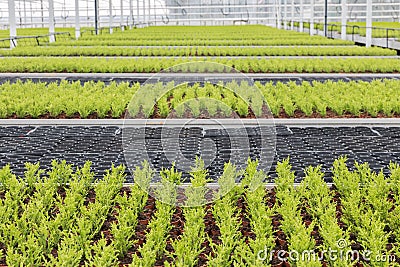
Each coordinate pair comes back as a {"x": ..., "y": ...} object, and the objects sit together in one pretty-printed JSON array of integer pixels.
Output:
[{"x": 306, "y": 146}]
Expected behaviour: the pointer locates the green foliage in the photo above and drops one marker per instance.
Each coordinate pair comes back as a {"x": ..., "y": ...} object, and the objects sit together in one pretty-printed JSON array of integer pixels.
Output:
[
  {"x": 297, "y": 233},
  {"x": 260, "y": 217},
  {"x": 103, "y": 255},
  {"x": 167, "y": 188},
  {"x": 32, "y": 175},
  {"x": 153, "y": 65},
  {"x": 199, "y": 37},
  {"x": 196, "y": 192},
  {"x": 58, "y": 218},
  {"x": 156, "y": 237},
  {"x": 248, "y": 179},
  {"x": 364, "y": 200},
  {"x": 371, "y": 235},
  {"x": 99, "y": 50},
  {"x": 227, "y": 219},
  {"x": 355, "y": 97},
  {"x": 143, "y": 175},
  {"x": 180, "y": 110},
  {"x": 41, "y": 99},
  {"x": 227, "y": 181},
  {"x": 128, "y": 212},
  {"x": 321, "y": 207},
  {"x": 69, "y": 253},
  {"x": 188, "y": 247}
]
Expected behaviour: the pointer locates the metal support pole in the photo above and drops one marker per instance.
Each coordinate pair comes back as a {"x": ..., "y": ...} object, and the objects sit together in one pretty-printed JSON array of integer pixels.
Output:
[
  {"x": 52, "y": 37},
  {"x": 312, "y": 17},
  {"x": 326, "y": 19},
  {"x": 96, "y": 17},
  {"x": 285, "y": 14},
  {"x": 278, "y": 13},
  {"x": 148, "y": 11},
  {"x": 368, "y": 36},
  {"x": 121, "y": 23},
  {"x": 110, "y": 15},
  {"x": 130, "y": 14},
  {"x": 144, "y": 12},
  {"x": 137, "y": 11},
  {"x": 155, "y": 12},
  {"x": 275, "y": 13},
  {"x": 30, "y": 8},
  {"x": 41, "y": 9},
  {"x": 20, "y": 15},
  {"x": 344, "y": 20},
  {"x": 301, "y": 16},
  {"x": 292, "y": 16},
  {"x": 77, "y": 25},
  {"x": 25, "y": 16},
  {"x": 13, "y": 24},
  {"x": 387, "y": 38}
]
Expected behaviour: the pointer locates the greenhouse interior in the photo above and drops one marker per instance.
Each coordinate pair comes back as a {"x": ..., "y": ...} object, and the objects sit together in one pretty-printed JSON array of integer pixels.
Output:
[{"x": 195, "y": 133}]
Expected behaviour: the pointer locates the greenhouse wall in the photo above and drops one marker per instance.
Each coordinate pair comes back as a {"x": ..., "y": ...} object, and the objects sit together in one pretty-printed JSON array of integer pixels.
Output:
[{"x": 31, "y": 13}]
